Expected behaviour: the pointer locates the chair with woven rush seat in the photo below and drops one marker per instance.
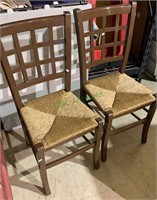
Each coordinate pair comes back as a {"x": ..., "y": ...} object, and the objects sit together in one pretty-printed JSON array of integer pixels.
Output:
[
  {"x": 115, "y": 94},
  {"x": 37, "y": 51}
]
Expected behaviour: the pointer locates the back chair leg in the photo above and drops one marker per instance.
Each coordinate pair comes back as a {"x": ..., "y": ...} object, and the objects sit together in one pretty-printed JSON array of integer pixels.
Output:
[
  {"x": 42, "y": 168},
  {"x": 83, "y": 96},
  {"x": 96, "y": 149},
  {"x": 25, "y": 133},
  {"x": 146, "y": 126},
  {"x": 105, "y": 136}
]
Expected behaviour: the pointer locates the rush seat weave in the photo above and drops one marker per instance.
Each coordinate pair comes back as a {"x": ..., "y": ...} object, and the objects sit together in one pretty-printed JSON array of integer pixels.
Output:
[
  {"x": 57, "y": 117},
  {"x": 118, "y": 93}
]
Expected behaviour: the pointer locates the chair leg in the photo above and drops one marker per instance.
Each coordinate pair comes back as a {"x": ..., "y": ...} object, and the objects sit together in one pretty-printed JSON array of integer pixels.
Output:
[
  {"x": 105, "y": 136},
  {"x": 25, "y": 134},
  {"x": 146, "y": 126},
  {"x": 24, "y": 129},
  {"x": 96, "y": 149},
  {"x": 42, "y": 168},
  {"x": 83, "y": 96}
]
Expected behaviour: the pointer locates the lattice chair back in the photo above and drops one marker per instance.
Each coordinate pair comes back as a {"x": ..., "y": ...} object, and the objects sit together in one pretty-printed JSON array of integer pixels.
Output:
[
  {"x": 111, "y": 47},
  {"x": 36, "y": 52}
]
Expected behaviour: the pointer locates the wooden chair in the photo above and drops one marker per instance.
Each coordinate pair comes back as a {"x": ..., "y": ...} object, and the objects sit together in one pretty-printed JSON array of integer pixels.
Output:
[
  {"x": 36, "y": 51},
  {"x": 115, "y": 94}
]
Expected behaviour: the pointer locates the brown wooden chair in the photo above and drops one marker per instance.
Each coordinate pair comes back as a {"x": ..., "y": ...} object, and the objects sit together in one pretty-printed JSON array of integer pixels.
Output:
[
  {"x": 115, "y": 94},
  {"x": 36, "y": 51}
]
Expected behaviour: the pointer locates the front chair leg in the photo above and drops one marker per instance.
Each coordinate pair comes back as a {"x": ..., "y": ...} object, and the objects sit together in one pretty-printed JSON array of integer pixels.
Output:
[
  {"x": 146, "y": 126},
  {"x": 42, "y": 168},
  {"x": 96, "y": 149},
  {"x": 105, "y": 136}
]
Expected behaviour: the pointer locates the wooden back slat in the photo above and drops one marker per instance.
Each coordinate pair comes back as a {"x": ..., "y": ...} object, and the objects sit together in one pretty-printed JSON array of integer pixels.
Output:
[{"x": 21, "y": 62}]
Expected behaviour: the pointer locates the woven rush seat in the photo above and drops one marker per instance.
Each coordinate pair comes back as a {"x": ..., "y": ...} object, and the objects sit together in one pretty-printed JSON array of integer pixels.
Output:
[
  {"x": 119, "y": 93},
  {"x": 55, "y": 117}
]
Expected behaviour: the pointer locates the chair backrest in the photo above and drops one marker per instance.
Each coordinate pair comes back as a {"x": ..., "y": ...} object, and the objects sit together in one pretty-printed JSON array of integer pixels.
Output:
[
  {"x": 111, "y": 47},
  {"x": 35, "y": 51}
]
